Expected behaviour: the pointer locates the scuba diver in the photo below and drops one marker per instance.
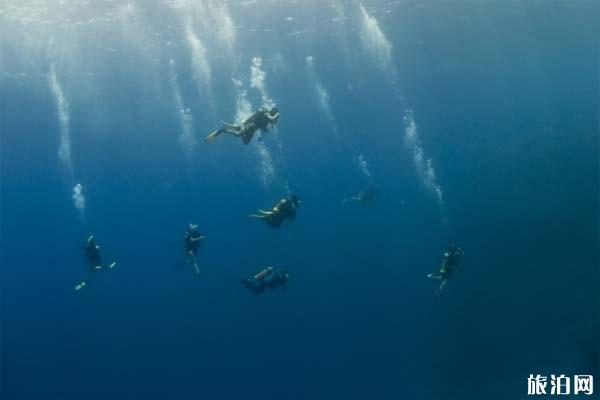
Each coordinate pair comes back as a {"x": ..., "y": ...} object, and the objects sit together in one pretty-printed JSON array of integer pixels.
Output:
[
  {"x": 451, "y": 256},
  {"x": 363, "y": 196},
  {"x": 94, "y": 259},
  {"x": 267, "y": 278},
  {"x": 261, "y": 120},
  {"x": 284, "y": 209},
  {"x": 191, "y": 242}
]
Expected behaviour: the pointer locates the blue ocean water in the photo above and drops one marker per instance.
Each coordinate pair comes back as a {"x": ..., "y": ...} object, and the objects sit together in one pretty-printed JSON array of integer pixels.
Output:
[{"x": 477, "y": 121}]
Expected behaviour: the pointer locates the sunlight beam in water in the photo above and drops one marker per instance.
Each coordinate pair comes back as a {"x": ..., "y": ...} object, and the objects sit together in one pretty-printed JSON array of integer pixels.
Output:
[
  {"x": 321, "y": 93},
  {"x": 423, "y": 167},
  {"x": 243, "y": 110},
  {"x": 186, "y": 138},
  {"x": 363, "y": 165},
  {"x": 79, "y": 198},
  {"x": 375, "y": 43},
  {"x": 62, "y": 106},
  {"x": 198, "y": 58}
]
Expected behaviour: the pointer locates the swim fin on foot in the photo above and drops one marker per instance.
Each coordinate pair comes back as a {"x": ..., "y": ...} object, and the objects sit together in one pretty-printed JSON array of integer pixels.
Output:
[{"x": 211, "y": 136}]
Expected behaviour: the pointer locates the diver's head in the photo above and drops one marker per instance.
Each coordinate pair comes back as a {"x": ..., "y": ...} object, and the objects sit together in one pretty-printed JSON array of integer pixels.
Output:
[
  {"x": 454, "y": 249},
  {"x": 295, "y": 199},
  {"x": 274, "y": 110},
  {"x": 282, "y": 273},
  {"x": 192, "y": 227}
]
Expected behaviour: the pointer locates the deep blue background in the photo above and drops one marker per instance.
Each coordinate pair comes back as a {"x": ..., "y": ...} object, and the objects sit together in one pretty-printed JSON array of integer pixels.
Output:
[{"x": 505, "y": 97}]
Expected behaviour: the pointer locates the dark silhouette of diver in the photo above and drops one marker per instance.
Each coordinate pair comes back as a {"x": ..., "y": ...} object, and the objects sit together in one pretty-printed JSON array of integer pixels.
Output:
[
  {"x": 191, "y": 242},
  {"x": 450, "y": 261},
  {"x": 284, "y": 209},
  {"x": 363, "y": 196},
  {"x": 268, "y": 278},
  {"x": 261, "y": 120},
  {"x": 94, "y": 259}
]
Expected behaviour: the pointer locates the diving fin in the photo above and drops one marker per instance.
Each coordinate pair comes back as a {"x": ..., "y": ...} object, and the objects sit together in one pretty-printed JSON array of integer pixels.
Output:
[
  {"x": 111, "y": 266},
  {"x": 211, "y": 136}
]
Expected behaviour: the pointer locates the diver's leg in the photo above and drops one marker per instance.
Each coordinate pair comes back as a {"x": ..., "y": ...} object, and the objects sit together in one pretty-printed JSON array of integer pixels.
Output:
[
  {"x": 235, "y": 131},
  {"x": 257, "y": 216},
  {"x": 84, "y": 282},
  {"x": 185, "y": 261},
  {"x": 442, "y": 285},
  {"x": 228, "y": 125},
  {"x": 194, "y": 262},
  {"x": 265, "y": 212}
]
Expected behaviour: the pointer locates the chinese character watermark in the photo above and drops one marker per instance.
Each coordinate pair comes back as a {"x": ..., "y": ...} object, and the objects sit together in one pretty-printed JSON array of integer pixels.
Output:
[
  {"x": 536, "y": 385},
  {"x": 560, "y": 385},
  {"x": 584, "y": 384}
]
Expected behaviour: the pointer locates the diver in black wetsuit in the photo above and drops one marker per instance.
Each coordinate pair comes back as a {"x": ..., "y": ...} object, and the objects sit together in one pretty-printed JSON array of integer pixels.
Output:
[
  {"x": 284, "y": 209},
  {"x": 268, "y": 278},
  {"x": 260, "y": 120},
  {"x": 191, "y": 242},
  {"x": 94, "y": 259},
  {"x": 449, "y": 263}
]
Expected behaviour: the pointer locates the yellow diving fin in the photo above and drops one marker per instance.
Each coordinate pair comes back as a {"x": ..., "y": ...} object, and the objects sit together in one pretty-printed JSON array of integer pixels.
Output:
[{"x": 211, "y": 136}]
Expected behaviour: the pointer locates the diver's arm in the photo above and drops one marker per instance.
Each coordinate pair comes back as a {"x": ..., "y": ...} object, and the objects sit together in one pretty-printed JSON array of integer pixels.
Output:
[{"x": 197, "y": 238}]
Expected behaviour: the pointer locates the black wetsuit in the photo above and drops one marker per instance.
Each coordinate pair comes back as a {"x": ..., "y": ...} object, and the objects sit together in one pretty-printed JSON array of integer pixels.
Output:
[
  {"x": 271, "y": 280},
  {"x": 450, "y": 262},
  {"x": 258, "y": 121},
  {"x": 285, "y": 209},
  {"x": 192, "y": 245},
  {"x": 92, "y": 253}
]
